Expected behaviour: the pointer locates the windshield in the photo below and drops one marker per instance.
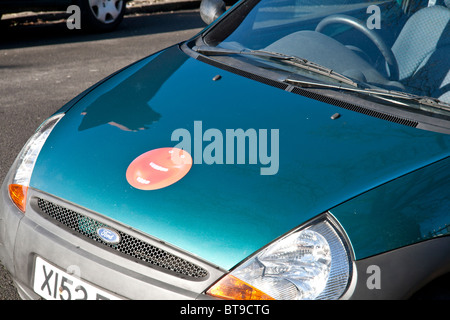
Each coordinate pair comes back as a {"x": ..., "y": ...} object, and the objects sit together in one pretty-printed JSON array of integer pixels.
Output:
[{"x": 398, "y": 45}]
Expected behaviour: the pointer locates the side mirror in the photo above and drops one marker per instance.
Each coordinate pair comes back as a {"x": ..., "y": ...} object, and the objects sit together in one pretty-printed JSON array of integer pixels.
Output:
[{"x": 210, "y": 10}]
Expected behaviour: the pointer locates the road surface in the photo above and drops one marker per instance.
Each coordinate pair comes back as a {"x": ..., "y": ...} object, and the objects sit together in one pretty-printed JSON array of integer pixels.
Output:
[{"x": 43, "y": 65}]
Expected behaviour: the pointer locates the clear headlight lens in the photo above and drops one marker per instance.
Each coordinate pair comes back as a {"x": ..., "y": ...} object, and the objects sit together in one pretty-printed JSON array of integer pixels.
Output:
[
  {"x": 312, "y": 262},
  {"x": 26, "y": 160}
]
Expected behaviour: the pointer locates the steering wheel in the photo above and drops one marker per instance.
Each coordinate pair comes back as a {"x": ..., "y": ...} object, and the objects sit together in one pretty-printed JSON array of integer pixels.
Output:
[{"x": 386, "y": 51}]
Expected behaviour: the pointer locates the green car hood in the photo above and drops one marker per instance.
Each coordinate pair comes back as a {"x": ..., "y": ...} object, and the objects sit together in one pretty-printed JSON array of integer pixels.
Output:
[{"x": 221, "y": 212}]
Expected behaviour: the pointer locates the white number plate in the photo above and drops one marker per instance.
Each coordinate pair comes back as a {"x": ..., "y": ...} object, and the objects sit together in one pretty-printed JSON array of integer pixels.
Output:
[{"x": 53, "y": 283}]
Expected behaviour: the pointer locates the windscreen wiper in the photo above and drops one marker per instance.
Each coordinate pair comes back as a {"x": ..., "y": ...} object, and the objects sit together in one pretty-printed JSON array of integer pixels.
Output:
[
  {"x": 393, "y": 96},
  {"x": 293, "y": 60},
  {"x": 380, "y": 93}
]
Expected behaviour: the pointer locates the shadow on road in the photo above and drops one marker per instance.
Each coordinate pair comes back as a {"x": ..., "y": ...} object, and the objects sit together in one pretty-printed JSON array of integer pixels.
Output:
[{"x": 39, "y": 33}]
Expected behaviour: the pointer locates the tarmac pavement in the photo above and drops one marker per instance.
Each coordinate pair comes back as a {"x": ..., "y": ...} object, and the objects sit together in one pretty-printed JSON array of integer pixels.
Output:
[
  {"x": 133, "y": 7},
  {"x": 19, "y": 108}
]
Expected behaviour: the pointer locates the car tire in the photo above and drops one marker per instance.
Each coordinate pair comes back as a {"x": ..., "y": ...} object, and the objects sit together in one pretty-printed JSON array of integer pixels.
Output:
[{"x": 101, "y": 15}]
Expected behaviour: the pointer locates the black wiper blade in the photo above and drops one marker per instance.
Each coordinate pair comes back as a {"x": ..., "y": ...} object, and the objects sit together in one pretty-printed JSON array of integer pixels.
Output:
[
  {"x": 380, "y": 93},
  {"x": 293, "y": 60},
  {"x": 319, "y": 85},
  {"x": 436, "y": 103},
  {"x": 216, "y": 51},
  {"x": 393, "y": 96}
]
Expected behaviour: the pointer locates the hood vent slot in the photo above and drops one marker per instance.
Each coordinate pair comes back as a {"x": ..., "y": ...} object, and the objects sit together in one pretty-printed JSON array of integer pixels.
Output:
[
  {"x": 353, "y": 107},
  {"x": 249, "y": 75},
  {"x": 310, "y": 94}
]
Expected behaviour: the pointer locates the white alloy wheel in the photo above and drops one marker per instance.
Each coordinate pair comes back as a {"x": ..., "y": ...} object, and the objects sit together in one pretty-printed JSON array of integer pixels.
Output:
[{"x": 106, "y": 11}]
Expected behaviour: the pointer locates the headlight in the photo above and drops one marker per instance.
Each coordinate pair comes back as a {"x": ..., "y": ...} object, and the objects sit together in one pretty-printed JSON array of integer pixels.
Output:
[
  {"x": 26, "y": 160},
  {"x": 312, "y": 262}
]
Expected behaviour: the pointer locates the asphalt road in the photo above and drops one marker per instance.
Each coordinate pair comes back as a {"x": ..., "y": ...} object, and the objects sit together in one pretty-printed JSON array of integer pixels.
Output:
[{"x": 44, "y": 65}]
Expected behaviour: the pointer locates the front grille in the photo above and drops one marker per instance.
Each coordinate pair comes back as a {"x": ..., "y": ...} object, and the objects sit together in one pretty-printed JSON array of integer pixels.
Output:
[{"x": 129, "y": 245}]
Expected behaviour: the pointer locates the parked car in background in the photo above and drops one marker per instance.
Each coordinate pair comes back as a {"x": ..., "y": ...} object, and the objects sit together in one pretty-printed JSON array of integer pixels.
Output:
[
  {"x": 96, "y": 15},
  {"x": 292, "y": 150}
]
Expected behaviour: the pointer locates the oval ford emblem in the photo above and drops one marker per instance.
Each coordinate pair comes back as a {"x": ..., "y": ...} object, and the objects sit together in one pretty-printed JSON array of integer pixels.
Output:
[{"x": 108, "y": 235}]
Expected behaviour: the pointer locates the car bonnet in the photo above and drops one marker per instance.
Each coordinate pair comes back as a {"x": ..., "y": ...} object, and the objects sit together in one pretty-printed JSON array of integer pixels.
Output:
[{"x": 220, "y": 212}]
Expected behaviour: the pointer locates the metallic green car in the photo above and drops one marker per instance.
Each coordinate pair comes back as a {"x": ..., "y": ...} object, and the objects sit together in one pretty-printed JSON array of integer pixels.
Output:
[{"x": 292, "y": 150}]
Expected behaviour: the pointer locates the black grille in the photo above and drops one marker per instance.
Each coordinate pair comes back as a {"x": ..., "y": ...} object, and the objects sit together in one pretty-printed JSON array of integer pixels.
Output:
[{"x": 129, "y": 245}]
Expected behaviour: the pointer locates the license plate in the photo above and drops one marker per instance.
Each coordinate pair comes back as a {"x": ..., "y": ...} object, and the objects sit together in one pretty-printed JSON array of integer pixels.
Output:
[{"x": 53, "y": 283}]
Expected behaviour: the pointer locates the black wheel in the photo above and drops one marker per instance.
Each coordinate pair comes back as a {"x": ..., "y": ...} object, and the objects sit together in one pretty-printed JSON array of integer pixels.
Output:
[{"x": 101, "y": 15}]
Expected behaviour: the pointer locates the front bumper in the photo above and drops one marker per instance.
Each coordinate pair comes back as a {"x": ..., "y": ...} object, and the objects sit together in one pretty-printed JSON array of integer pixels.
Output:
[
  {"x": 25, "y": 237},
  {"x": 397, "y": 274}
]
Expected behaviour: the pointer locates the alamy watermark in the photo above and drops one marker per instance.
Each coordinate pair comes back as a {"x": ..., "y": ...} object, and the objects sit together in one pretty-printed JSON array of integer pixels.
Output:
[
  {"x": 74, "y": 20},
  {"x": 234, "y": 146},
  {"x": 374, "y": 20},
  {"x": 374, "y": 278}
]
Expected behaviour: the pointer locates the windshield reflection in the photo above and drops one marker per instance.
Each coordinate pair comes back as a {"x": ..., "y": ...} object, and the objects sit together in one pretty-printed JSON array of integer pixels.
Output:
[{"x": 397, "y": 45}]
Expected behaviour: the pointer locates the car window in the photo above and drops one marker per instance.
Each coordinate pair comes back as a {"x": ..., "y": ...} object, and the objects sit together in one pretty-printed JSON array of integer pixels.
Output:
[{"x": 396, "y": 45}]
